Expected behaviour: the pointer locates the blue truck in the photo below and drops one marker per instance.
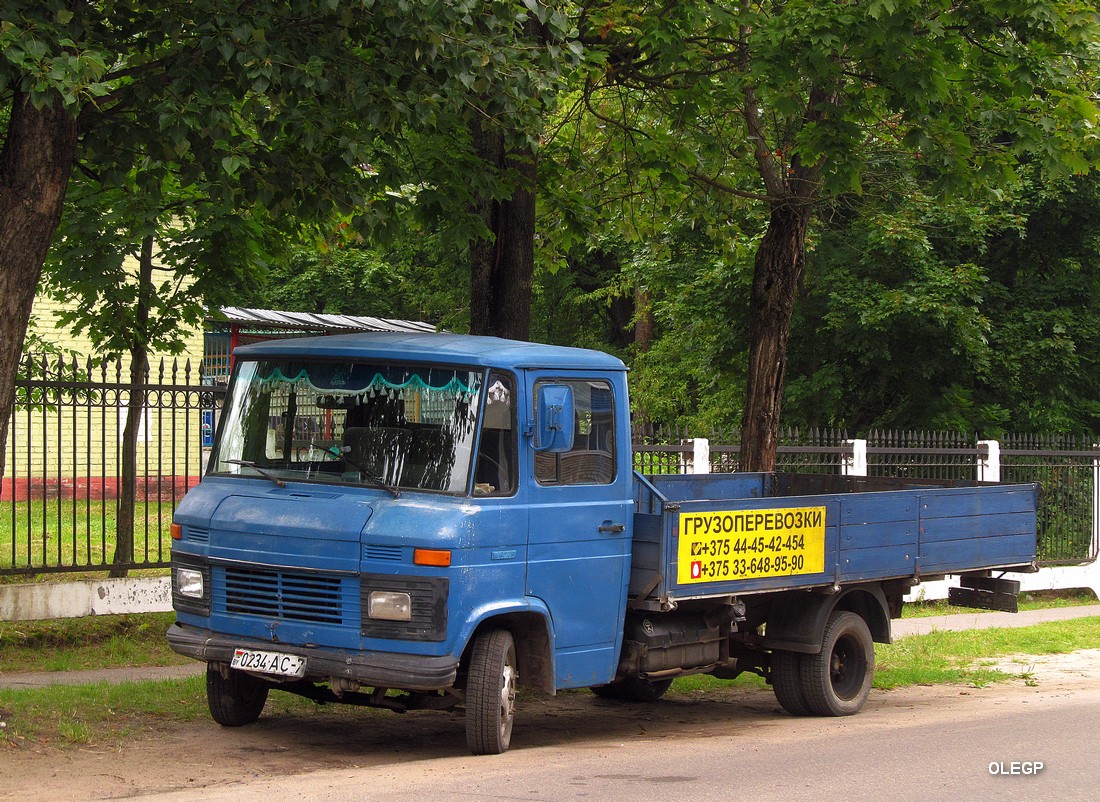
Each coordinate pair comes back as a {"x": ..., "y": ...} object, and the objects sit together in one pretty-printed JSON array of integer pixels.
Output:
[{"x": 429, "y": 521}]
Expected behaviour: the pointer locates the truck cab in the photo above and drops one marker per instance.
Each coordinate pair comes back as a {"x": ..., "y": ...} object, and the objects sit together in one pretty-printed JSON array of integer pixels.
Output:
[{"x": 444, "y": 516}]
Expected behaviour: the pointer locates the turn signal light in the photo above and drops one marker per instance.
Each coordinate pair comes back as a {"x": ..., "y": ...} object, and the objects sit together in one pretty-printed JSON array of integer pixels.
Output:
[
  {"x": 177, "y": 531},
  {"x": 437, "y": 557}
]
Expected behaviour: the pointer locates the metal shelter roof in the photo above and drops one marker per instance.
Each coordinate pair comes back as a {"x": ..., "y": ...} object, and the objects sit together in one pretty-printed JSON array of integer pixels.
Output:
[{"x": 270, "y": 319}]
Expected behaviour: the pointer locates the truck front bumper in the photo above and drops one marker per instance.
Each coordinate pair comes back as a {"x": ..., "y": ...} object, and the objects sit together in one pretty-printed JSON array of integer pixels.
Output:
[{"x": 376, "y": 669}]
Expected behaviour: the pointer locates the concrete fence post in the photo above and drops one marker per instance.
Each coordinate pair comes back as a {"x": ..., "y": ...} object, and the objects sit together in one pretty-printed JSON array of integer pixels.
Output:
[
  {"x": 854, "y": 459},
  {"x": 700, "y": 455},
  {"x": 989, "y": 461}
]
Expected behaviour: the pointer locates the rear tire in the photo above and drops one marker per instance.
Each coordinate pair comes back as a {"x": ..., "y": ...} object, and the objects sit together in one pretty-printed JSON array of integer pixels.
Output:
[
  {"x": 787, "y": 682},
  {"x": 236, "y": 700},
  {"x": 491, "y": 693},
  {"x": 837, "y": 680},
  {"x": 633, "y": 689}
]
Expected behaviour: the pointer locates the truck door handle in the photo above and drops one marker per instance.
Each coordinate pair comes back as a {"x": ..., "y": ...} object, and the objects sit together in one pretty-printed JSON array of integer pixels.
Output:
[{"x": 609, "y": 527}]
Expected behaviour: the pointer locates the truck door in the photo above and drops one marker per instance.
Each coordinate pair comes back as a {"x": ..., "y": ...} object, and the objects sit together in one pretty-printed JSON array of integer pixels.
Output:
[{"x": 579, "y": 531}]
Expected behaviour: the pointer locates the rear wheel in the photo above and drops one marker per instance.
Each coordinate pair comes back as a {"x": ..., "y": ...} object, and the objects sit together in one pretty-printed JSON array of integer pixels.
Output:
[
  {"x": 236, "y": 699},
  {"x": 837, "y": 680},
  {"x": 634, "y": 689},
  {"x": 787, "y": 682},
  {"x": 491, "y": 693}
]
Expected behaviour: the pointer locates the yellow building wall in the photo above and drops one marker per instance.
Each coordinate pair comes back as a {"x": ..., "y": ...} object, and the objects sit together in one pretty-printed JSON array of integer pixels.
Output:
[{"x": 54, "y": 447}]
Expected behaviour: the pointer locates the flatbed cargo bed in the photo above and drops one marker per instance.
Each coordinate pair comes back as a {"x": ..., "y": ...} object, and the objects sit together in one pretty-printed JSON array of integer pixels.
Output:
[{"x": 713, "y": 535}]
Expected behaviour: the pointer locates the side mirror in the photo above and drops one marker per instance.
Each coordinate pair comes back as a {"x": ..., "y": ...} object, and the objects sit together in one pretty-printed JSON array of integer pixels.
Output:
[{"x": 556, "y": 414}]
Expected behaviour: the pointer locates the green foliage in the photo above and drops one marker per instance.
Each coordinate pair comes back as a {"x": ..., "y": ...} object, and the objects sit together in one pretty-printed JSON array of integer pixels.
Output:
[
  {"x": 203, "y": 252},
  {"x": 1045, "y": 298},
  {"x": 414, "y": 276},
  {"x": 965, "y": 316},
  {"x": 940, "y": 290},
  {"x": 903, "y": 125},
  {"x": 205, "y": 126},
  {"x": 693, "y": 374}
]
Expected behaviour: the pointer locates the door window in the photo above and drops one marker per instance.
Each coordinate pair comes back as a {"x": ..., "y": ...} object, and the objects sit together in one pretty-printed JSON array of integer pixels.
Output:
[
  {"x": 591, "y": 461},
  {"x": 495, "y": 474}
]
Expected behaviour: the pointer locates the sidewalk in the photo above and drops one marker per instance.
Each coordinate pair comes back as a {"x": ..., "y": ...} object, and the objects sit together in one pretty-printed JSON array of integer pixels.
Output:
[
  {"x": 901, "y": 628},
  {"x": 986, "y": 620},
  {"x": 41, "y": 679}
]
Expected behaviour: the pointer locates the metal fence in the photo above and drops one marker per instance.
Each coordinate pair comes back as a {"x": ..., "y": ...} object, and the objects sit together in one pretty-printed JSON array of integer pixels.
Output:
[
  {"x": 60, "y": 497},
  {"x": 1067, "y": 467},
  {"x": 62, "y": 491}
]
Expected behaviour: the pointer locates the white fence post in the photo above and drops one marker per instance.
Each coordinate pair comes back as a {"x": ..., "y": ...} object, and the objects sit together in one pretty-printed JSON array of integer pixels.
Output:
[
  {"x": 855, "y": 462},
  {"x": 989, "y": 461},
  {"x": 700, "y": 455}
]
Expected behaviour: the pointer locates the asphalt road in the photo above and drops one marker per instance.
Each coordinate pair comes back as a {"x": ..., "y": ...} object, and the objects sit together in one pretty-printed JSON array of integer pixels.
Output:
[{"x": 921, "y": 744}]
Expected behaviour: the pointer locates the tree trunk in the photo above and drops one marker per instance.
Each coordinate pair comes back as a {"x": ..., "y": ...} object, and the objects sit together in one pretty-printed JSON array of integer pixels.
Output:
[
  {"x": 502, "y": 269},
  {"x": 644, "y": 326},
  {"x": 135, "y": 407},
  {"x": 777, "y": 272},
  {"x": 35, "y": 162}
]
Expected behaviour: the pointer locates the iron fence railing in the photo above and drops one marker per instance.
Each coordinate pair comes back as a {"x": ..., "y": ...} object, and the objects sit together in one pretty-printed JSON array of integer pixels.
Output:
[
  {"x": 60, "y": 497},
  {"x": 1068, "y": 468}
]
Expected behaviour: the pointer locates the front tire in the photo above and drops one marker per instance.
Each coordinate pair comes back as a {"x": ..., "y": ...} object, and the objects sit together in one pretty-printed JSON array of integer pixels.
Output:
[
  {"x": 491, "y": 693},
  {"x": 837, "y": 680},
  {"x": 236, "y": 699}
]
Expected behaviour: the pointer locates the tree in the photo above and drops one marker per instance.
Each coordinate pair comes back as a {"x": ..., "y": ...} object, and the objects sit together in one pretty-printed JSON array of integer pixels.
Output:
[
  {"x": 415, "y": 275},
  {"x": 134, "y": 265},
  {"x": 807, "y": 98},
  {"x": 272, "y": 108},
  {"x": 893, "y": 329}
]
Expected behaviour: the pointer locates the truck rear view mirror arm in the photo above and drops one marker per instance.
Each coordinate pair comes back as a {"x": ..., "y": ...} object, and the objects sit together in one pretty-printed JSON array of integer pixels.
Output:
[{"x": 556, "y": 413}]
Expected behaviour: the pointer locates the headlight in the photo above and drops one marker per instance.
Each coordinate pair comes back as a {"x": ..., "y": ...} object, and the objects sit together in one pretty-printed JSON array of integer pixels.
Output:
[
  {"x": 189, "y": 583},
  {"x": 389, "y": 605}
]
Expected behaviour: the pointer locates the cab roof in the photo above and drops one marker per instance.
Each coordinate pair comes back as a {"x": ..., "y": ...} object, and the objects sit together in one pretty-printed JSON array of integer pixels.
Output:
[{"x": 434, "y": 348}]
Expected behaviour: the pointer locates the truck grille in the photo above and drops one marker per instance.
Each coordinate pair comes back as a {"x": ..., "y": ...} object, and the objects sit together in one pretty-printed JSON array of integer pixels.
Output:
[{"x": 279, "y": 594}]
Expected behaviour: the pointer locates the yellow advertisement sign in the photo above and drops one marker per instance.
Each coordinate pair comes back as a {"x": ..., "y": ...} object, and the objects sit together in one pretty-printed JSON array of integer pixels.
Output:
[{"x": 749, "y": 544}]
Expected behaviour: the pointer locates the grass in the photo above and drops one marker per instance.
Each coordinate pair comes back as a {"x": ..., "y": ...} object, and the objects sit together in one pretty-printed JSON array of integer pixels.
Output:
[
  {"x": 106, "y": 715},
  {"x": 954, "y": 657},
  {"x": 85, "y": 643},
  {"x": 63, "y": 532}
]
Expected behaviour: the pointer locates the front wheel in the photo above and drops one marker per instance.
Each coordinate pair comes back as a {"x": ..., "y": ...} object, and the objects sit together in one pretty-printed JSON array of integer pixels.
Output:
[
  {"x": 837, "y": 680},
  {"x": 236, "y": 699},
  {"x": 491, "y": 693}
]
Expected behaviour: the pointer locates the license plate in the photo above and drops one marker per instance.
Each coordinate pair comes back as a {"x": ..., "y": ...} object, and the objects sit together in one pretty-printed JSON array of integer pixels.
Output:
[{"x": 289, "y": 665}]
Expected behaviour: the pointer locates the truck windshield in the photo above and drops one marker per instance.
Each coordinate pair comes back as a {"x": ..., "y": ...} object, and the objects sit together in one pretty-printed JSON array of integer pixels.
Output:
[{"x": 402, "y": 426}]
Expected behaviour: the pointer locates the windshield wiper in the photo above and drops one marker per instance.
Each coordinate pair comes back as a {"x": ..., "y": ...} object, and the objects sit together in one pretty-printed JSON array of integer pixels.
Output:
[
  {"x": 342, "y": 453},
  {"x": 250, "y": 464}
]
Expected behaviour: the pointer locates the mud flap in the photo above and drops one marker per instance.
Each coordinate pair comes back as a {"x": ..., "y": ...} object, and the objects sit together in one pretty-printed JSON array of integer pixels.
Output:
[{"x": 986, "y": 593}]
